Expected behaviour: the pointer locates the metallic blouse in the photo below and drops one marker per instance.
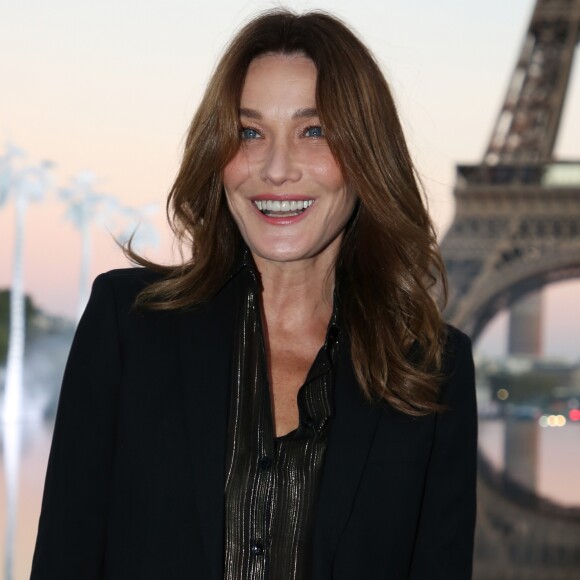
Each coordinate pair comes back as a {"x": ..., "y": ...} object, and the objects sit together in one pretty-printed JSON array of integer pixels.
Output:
[{"x": 272, "y": 482}]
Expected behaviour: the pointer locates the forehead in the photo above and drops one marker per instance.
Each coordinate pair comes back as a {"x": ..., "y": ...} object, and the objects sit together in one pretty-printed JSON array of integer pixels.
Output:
[{"x": 279, "y": 80}]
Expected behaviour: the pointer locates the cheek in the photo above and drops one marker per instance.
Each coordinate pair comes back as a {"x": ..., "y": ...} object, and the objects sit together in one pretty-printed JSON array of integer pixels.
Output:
[
  {"x": 235, "y": 172},
  {"x": 327, "y": 171}
]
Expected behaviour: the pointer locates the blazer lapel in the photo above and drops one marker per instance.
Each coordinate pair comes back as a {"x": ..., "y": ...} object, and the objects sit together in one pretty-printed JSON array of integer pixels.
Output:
[
  {"x": 352, "y": 431},
  {"x": 206, "y": 343}
]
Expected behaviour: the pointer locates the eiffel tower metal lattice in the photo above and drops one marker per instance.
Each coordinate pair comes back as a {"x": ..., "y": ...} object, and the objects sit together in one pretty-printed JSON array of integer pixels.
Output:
[
  {"x": 516, "y": 230},
  {"x": 517, "y": 222}
]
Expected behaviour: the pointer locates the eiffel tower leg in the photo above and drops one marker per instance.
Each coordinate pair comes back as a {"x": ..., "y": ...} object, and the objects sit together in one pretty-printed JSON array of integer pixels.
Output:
[
  {"x": 525, "y": 326},
  {"x": 521, "y": 447},
  {"x": 521, "y": 437}
]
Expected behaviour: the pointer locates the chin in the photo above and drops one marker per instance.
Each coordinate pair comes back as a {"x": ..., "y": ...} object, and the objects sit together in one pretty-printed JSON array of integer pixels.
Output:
[
  {"x": 280, "y": 255},
  {"x": 279, "y": 252}
]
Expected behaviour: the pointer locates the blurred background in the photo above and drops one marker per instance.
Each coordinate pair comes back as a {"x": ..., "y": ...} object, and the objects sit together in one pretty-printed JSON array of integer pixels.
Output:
[{"x": 95, "y": 100}]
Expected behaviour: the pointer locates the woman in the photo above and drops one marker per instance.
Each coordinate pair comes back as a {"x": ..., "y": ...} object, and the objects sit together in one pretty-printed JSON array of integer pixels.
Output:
[{"x": 286, "y": 403}]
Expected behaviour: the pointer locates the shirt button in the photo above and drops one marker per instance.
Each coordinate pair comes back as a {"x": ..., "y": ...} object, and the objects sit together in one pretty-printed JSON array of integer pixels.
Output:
[
  {"x": 265, "y": 463},
  {"x": 257, "y": 548}
]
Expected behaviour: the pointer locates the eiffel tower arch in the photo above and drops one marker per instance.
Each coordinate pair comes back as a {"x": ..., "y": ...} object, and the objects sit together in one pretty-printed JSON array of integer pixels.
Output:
[
  {"x": 515, "y": 231},
  {"x": 517, "y": 222}
]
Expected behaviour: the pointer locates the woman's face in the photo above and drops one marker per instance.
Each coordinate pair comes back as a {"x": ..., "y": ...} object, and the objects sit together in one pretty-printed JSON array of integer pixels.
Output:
[{"x": 284, "y": 188}]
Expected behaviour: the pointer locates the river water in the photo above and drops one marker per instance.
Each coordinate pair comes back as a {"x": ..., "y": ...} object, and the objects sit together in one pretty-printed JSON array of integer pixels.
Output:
[{"x": 558, "y": 470}]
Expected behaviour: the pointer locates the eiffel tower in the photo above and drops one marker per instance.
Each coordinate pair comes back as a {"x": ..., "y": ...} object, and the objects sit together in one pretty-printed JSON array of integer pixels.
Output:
[
  {"x": 517, "y": 230},
  {"x": 517, "y": 222}
]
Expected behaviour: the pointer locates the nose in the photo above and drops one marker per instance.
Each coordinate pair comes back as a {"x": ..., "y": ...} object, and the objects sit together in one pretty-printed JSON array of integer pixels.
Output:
[{"x": 280, "y": 164}]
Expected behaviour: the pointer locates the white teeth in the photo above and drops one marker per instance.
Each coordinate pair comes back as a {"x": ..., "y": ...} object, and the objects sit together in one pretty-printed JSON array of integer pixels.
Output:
[{"x": 283, "y": 206}]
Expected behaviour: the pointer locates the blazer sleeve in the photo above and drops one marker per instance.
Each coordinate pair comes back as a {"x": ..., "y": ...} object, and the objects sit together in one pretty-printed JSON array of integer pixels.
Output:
[
  {"x": 444, "y": 543},
  {"x": 73, "y": 520}
]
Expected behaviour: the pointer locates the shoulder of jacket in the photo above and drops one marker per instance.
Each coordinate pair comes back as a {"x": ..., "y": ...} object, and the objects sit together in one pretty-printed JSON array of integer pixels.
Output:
[
  {"x": 138, "y": 274},
  {"x": 457, "y": 348},
  {"x": 455, "y": 338},
  {"x": 125, "y": 283},
  {"x": 129, "y": 277}
]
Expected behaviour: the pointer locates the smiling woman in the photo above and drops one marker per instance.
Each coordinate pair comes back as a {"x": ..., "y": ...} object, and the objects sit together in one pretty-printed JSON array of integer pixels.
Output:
[{"x": 286, "y": 403}]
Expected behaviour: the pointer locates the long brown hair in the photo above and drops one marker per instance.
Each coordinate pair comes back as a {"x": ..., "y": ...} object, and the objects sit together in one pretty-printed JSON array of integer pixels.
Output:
[{"x": 389, "y": 264}]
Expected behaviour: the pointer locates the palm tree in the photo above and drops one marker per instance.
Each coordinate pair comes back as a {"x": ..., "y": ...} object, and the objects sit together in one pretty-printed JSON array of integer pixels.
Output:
[
  {"x": 24, "y": 183},
  {"x": 85, "y": 206}
]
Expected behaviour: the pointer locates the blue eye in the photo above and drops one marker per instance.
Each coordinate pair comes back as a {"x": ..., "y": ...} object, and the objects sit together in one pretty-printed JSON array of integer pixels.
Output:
[
  {"x": 314, "y": 131},
  {"x": 249, "y": 133}
]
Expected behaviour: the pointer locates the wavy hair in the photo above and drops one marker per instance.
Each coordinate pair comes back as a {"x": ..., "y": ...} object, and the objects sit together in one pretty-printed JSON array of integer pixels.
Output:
[{"x": 389, "y": 271}]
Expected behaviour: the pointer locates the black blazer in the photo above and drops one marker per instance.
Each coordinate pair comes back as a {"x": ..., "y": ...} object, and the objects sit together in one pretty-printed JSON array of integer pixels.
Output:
[{"x": 135, "y": 481}]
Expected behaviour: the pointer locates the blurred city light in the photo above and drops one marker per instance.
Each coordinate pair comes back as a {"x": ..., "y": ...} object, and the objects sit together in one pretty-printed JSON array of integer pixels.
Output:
[
  {"x": 503, "y": 394},
  {"x": 554, "y": 420}
]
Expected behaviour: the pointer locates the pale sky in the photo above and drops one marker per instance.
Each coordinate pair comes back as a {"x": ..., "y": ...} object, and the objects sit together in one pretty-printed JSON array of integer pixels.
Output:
[{"x": 111, "y": 86}]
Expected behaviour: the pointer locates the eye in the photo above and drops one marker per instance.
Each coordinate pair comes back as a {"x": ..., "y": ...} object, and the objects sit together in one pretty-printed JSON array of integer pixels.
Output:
[
  {"x": 247, "y": 133},
  {"x": 314, "y": 131}
]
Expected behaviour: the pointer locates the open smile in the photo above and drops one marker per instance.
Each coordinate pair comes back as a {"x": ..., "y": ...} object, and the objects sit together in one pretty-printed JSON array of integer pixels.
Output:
[{"x": 283, "y": 208}]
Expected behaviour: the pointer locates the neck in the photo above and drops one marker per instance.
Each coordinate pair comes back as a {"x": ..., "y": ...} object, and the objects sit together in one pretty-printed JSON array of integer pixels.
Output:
[{"x": 297, "y": 294}]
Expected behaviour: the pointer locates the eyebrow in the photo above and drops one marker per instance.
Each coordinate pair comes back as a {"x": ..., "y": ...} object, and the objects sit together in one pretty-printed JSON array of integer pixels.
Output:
[
  {"x": 305, "y": 113},
  {"x": 299, "y": 114},
  {"x": 251, "y": 114}
]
